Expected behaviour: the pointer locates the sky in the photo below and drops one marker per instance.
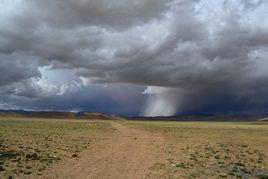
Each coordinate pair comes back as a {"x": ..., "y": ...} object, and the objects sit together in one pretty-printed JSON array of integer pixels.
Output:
[{"x": 142, "y": 57}]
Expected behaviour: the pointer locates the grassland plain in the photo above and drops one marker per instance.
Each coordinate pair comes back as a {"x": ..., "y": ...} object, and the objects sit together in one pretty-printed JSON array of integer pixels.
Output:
[
  {"x": 210, "y": 149},
  {"x": 29, "y": 146},
  {"x": 53, "y": 148}
]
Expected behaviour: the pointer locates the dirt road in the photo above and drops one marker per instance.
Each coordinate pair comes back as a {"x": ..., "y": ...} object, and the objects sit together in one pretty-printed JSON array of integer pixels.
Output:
[{"x": 129, "y": 153}]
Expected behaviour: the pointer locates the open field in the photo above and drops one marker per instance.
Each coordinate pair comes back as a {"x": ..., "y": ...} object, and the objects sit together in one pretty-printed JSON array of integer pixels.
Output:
[
  {"x": 211, "y": 149},
  {"x": 51, "y": 148},
  {"x": 28, "y": 147}
]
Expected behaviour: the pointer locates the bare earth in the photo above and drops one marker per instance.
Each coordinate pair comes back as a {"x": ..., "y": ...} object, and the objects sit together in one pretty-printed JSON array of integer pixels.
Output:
[{"x": 129, "y": 153}]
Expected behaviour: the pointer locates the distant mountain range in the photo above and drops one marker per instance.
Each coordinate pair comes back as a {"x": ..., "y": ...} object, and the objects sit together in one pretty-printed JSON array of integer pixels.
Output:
[{"x": 103, "y": 116}]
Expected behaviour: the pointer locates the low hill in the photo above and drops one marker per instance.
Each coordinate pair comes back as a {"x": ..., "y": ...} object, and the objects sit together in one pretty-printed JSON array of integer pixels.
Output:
[
  {"x": 57, "y": 115},
  {"x": 215, "y": 118},
  {"x": 103, "y": 116}
]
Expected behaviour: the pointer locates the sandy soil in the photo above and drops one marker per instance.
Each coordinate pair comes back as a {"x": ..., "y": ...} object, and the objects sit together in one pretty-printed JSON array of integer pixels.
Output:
[{"x": 129, "y": 153}]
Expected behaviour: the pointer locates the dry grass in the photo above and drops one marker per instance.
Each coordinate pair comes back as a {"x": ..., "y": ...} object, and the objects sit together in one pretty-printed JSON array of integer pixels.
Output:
[
  {"x": 211, "y": 150},
  {"x": 28, "y": 147}
]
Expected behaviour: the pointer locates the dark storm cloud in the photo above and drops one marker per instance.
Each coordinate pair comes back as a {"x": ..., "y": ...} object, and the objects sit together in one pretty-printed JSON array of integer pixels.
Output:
[
  {"x": 119, "y": 99},
  {"x": 16, "y": 67},
  {"x": 191, "y": 48},
  {"x": 115, "y": 14},
  {"x": 18, "y": 74}
]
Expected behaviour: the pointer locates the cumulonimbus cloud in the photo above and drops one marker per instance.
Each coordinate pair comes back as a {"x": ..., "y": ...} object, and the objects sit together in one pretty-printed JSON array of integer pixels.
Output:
[{"x": 194, "y": 47}]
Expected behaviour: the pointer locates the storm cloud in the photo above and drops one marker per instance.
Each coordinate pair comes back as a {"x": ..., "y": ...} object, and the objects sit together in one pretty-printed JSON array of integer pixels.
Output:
[{"x": 180, "y": 56}]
